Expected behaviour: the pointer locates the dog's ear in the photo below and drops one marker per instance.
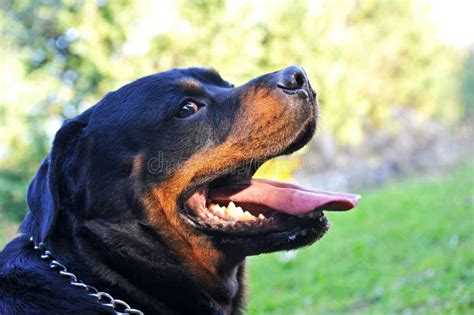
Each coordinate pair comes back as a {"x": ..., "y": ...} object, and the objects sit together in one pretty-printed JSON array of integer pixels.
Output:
[{"x": 43, "y": 196}]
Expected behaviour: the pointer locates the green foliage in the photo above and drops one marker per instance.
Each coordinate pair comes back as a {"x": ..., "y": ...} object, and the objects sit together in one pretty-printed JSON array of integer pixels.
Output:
[
  {"x": 406, "y": 249},
  {"x": 364, "y": 57}
]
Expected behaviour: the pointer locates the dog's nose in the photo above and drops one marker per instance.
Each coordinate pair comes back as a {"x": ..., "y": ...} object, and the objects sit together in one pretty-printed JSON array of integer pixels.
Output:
[{"x": 292, "y": 78}]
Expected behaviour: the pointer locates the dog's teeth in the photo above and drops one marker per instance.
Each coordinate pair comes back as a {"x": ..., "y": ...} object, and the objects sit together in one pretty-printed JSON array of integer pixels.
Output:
[
  {"x": 215, "y": 207},
  {"x": 237, "y": 211},
  {"x": 233, "y": 211},
  {"x": 247, "y": 216},
  {"x": 220, "y": 212}
]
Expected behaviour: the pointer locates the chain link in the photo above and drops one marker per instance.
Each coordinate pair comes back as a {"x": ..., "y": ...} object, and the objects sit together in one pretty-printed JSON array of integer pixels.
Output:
[{"x": 119, "y": 306}]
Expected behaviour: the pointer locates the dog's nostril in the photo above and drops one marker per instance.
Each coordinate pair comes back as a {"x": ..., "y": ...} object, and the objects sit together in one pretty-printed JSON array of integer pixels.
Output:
[
  {"x": 299, "y": 80},
  {"x": 293, "y": 78}
]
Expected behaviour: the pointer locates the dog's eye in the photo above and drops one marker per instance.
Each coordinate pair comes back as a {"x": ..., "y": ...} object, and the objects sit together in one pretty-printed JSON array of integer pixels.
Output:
[{"x": 187, "y": 109}]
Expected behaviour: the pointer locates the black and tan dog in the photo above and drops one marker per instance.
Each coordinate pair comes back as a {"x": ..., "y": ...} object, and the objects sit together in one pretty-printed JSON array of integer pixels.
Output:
[{"x": 148, "y": 197}]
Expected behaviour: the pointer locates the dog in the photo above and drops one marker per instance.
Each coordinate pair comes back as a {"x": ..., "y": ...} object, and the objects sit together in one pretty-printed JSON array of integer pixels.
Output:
[{"x": 146, "y": 202}]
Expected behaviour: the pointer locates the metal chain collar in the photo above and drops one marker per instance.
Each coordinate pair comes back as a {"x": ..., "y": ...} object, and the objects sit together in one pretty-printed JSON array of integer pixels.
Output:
[{"x": 119, "y": 306}]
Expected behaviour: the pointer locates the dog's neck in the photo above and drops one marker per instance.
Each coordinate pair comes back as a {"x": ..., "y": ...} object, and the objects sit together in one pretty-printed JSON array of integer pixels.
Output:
[
  {"x": 219, "y": 274},
  {"x": 133, "y": 262}
]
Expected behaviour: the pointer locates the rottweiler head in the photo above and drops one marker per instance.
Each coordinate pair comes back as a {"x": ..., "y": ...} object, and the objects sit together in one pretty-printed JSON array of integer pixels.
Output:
[{"x": 176, "y": 151}]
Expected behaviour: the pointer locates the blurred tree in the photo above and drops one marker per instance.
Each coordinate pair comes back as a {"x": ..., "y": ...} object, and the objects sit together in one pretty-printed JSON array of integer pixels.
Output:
[
  {"x": 467, "y": 85},
  {"x": 56, "y": 56},
  {"x": 364, "y": 57}
]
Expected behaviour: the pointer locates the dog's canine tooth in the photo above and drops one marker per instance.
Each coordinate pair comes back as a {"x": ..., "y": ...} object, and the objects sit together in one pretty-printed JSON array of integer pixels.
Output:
[
  {"x": 231, "y": 205},
  {"x": 261, "y": 216}
]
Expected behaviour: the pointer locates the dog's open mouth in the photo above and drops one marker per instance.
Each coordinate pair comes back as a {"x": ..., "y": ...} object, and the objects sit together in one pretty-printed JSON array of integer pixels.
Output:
[{"x": 240, "y": 204}]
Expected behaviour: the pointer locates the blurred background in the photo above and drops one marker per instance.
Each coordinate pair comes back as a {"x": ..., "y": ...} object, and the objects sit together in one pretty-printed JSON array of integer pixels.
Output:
[{"x": 396, "y": 86}]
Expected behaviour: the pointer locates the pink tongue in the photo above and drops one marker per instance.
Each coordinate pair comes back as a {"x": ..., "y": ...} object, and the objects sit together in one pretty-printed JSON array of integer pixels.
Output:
[{"x": 283, "y": 197}]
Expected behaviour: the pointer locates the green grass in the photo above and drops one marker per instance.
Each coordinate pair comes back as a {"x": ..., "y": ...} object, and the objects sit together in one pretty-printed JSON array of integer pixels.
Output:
[{"x": 408, "y": 248}]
